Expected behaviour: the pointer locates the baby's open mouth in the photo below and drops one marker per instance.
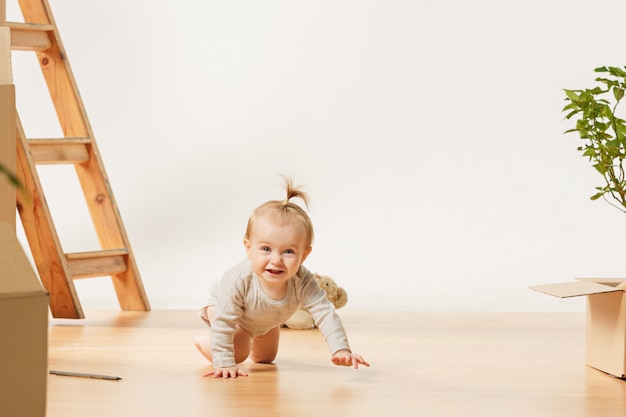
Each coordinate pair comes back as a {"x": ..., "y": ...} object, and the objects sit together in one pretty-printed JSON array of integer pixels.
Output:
[{"x": 274, "y": 271}]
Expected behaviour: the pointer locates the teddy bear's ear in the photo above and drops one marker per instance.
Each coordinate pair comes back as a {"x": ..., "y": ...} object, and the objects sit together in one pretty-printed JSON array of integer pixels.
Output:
[{"x": 341, "y": 299}]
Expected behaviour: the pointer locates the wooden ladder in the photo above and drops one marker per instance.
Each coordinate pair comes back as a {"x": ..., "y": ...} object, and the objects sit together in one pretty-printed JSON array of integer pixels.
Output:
[{"x": 57, "y": 269}]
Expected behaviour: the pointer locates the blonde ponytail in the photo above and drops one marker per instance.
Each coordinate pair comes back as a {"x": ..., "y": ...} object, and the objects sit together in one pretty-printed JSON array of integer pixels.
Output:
[{"x": 294, "y": 192}]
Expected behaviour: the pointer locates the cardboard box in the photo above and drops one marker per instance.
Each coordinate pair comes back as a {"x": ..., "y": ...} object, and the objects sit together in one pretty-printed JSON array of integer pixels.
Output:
[
  {"x": 23, "y": 330},
  {"x": 606, "y": 320}
]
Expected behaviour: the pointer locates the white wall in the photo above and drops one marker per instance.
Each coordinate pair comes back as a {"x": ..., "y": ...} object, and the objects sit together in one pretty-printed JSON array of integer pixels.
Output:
[{"x": 428, "y": 134}]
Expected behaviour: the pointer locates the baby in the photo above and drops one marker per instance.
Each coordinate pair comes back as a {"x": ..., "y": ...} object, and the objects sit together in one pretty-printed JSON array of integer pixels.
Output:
[{"x": 247, "y": 306}]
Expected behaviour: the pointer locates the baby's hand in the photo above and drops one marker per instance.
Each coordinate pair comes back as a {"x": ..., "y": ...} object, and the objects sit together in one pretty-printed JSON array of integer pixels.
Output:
[
  {"x": 346, "y": 358},
  {"x": 229, "y": 372}
]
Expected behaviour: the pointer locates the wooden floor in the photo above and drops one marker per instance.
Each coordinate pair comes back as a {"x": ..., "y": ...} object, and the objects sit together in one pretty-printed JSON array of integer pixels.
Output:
[{"x": 423, "y": 364}]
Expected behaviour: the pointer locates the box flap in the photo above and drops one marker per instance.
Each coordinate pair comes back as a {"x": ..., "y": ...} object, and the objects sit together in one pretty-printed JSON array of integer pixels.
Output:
[
  {"x": 612, "y": 282},
  {"x": 16, "y": 273},
  {"x": 574, "y": 288}
]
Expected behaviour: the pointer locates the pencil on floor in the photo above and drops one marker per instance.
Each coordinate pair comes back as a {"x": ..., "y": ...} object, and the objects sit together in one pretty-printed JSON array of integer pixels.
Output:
[{"x": 83, "y": 375}]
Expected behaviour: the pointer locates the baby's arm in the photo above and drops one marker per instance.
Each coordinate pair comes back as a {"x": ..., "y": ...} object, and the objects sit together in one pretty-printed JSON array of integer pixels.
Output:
[
  {"x": 346, "y": 358},
  {"x": 225, "y": 332}
]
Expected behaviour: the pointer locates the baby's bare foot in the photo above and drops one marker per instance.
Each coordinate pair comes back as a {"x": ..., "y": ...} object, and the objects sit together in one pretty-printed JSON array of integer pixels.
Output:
[{"x": 203, "y": 344}]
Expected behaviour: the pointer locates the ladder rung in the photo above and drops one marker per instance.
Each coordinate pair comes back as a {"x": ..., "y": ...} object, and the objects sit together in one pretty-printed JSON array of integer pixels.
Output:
[
  {"x": 30, "y": 36},
  {"x": 97, "y": 263},
  {"x": 59, "y": 151}
]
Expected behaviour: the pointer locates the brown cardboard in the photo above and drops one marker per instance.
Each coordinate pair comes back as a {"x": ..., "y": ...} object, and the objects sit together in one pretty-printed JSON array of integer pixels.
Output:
[
  {"x": 606, "y": 333},
  {"x": 573, "y": 288},
  {"x": 24, "y": 330},
  {"x": 7, "y": 151},
  {"x": 606, "y": 320}
]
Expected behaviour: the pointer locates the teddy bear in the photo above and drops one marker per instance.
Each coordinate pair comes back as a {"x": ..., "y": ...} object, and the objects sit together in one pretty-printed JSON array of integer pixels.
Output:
[{"x": 302, "y": 320}]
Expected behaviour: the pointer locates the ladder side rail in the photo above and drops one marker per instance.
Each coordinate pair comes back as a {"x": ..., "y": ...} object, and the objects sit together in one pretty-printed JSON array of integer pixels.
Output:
[{"x": 40, "y": 231}]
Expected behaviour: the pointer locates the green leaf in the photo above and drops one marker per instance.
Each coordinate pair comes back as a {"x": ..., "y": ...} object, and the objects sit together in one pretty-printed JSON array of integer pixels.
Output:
[
  {"x": 570, "y": 106},
  {"x": 617, "y": 72},
  {"x": 596, "y": 91},
  {"x": 572, "y": 113},
  {"x": 589, "y": 152},
  {"x": 571, "y": 94},
  {"x": 620, "y": 130}
]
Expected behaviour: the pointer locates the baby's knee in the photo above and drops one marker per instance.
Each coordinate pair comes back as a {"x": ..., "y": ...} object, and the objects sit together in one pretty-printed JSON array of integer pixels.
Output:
[
  {"x": 263, "y": 358},
  {"x": 241, "y": 356}
]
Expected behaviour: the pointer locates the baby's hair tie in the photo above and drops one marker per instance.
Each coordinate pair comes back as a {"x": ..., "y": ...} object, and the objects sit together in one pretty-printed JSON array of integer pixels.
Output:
[{"x": 285, "y": 201}]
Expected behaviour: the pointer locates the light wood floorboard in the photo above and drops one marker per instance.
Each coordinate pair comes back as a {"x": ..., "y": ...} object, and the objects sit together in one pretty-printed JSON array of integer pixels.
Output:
[{"x": 423, "y": 364}]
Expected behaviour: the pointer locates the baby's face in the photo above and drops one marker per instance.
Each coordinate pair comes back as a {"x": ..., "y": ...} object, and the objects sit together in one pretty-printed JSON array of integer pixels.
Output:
[{"x": 276, "y": 251}]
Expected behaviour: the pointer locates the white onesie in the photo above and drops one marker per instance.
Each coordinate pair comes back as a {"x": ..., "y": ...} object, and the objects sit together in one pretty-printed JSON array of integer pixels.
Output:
[{"x": 239, "y": 299}]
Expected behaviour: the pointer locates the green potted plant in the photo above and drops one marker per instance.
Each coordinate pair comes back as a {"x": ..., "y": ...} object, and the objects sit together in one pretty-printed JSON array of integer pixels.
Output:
[{"x": 602, "y": 131}]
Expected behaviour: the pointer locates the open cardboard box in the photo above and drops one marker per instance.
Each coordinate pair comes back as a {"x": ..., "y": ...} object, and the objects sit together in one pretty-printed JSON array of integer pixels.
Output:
[
  {"x": 23, "y": 330},
  {"x": 606, "y": 320}
]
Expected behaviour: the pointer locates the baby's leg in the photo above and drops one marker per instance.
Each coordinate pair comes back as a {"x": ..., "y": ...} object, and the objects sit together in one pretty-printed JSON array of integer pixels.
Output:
[
  {"x": 242, "y": 345},
  {"x": 264, "y": 348},
  {"x": 241, "y": 340},
  {"x": 203, "y": 342}
]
